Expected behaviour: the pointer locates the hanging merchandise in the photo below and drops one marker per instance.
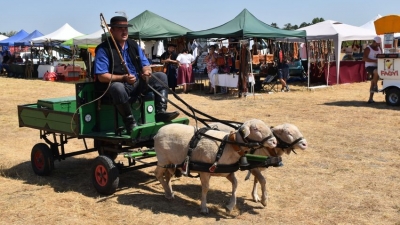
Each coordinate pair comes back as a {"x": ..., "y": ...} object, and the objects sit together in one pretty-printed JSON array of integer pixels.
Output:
[
  {"x": 295, "y": 50},
  {"x": 255, "y": 56}
]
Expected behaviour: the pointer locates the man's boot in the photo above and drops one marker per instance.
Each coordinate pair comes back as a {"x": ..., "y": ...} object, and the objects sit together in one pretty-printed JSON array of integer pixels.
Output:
[
  {"x": 161, "y": 106},
  {"x": 125, "y": 111}
]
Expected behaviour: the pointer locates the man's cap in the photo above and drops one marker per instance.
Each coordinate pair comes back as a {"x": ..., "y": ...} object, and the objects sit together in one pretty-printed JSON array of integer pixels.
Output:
[
  {"x": 119, "y": 21},
  {"x": 172, "y": 45},
  {"x": 377, "y": 39}
]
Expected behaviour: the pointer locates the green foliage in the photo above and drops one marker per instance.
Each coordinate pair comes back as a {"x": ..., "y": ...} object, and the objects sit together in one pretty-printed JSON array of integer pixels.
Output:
[
  {"x": 11, "y": 33},
  {"x": 289, "y": 26}
]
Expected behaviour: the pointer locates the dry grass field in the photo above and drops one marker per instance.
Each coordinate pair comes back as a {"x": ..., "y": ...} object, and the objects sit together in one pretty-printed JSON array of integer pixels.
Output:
[{"x": 350, "y": 174}]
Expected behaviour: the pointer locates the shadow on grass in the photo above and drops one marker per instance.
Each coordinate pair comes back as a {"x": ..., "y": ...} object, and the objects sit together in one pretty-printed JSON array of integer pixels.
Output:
[
  {"x": 72, "y": 174},
  {"x": 188, "y": 206},
  {"x": 377, "y": 105},
  {"x": 136, "y": 188}
]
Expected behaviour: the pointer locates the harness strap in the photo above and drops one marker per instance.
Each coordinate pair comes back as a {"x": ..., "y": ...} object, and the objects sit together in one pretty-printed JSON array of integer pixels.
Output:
[
  {"x": 283, "y": 145},
  {"x": 192, "y": 145},
  {"x": 219, "y": 154}
]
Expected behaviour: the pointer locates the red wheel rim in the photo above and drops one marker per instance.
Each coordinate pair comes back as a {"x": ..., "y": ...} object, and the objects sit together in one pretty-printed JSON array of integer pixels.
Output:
[
  {"x": 101, "y": 175},
  {"x": 38, "y": 160}
]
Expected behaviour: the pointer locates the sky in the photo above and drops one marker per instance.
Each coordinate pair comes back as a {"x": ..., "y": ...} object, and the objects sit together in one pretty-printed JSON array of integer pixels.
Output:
[{"x": 47, "y": 16}]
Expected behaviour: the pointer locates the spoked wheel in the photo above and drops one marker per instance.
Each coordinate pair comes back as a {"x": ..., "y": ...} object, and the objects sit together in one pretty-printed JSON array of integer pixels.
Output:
[
  {"x": 42, "y": 159},
  {"x": 393, "y": 97},
  {"x": 105, "y": 175}
]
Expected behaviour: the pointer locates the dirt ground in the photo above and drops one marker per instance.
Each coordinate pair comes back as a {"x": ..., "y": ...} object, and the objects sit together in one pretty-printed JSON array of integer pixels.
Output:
[{"x": 348, "y": 175}]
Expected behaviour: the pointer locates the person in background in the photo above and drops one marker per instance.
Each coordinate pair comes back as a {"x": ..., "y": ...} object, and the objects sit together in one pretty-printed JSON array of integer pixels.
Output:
[
  {"x": 185, "y": 75},
  {"x": 168, "y": 58},
  {"x": 19, "y": 59},
  {"x": 6, "y": 61},
  {"x": 212, "y": 68},
  {"x": 1, "y": 63},
  {"x": 283, "y": 75},
  {"x": 84, "y": 55},
  {"x": 124, "y": 86},
  {"x": 371, "y": 65}
]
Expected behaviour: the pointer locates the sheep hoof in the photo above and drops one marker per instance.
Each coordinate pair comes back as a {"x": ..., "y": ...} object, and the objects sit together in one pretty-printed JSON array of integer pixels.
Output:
[
  {"x": 170, "y": 196},
  {"x": 228, "y": 209},
  {"x": 264, "y": 203},
  {"x": 256, "y": 198},
  {"x": 204, "y": 211}
]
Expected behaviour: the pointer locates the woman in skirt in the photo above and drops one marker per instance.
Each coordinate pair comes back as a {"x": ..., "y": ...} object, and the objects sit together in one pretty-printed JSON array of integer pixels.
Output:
[{"x": 185, "y": 73}]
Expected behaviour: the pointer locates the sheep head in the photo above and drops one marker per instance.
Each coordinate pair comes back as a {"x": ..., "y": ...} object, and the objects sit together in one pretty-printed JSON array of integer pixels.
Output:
[
  {"x": 257, "y": 131},
  {"x": 289, "y": 134}
]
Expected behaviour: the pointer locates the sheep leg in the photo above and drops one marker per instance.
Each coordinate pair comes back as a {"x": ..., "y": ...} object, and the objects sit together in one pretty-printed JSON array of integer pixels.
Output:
[
  {"x": 263, "y": 182},
  {"x": 232, "y": 178},
  {"x": 205, "y": 185},
  {"x": 254, "y": 193},
  {"x": 164, "y": 177}
]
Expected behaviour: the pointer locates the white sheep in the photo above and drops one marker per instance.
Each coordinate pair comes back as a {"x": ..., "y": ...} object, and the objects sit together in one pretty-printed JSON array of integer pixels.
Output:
[
  {"x": 171, "y": 144},
  {"x": 289, "y": 138}
]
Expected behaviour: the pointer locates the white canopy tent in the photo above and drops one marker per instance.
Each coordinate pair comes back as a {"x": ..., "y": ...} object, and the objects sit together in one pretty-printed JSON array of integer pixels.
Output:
[
  {"x": 62, "y": 34},
  {"x": 90, "y": 39},
  {"x": 339, "y": 32},
  {"x": 371, "y": 26},
  {"x": 2, "y": 37}
]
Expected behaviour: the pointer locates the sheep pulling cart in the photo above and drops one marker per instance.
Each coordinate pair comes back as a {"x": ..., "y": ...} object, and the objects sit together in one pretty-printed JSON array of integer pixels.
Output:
[{"x": 80, "y": 117}]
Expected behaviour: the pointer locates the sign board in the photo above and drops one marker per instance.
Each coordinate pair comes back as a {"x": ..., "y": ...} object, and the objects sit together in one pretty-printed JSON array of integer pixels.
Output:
[
  {"x": 388, "y": 40},
  {"x": 388, "y": 68}
]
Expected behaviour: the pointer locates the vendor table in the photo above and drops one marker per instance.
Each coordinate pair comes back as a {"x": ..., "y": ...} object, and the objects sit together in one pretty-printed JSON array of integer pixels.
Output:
[
  {"x": 226, "y": 80},
  {"x": 42, "y": 69},
  {"x": 17, "y": 70},
  {"x": 350, "y": 72},
  {"x": 77, "y": 63}
]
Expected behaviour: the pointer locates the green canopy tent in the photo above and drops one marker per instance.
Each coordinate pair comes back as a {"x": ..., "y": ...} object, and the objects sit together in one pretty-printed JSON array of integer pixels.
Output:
[
  {"x": 148, "y": 25},
  {"x": 70, "y": 42},
  {"x": 245, "y": 25}
]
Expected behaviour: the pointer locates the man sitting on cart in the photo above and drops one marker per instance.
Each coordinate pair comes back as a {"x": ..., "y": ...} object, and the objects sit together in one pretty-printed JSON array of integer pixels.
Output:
[{"x": 126, "y": 86}]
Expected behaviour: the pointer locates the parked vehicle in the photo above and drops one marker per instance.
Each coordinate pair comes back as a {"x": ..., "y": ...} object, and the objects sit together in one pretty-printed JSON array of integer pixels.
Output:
[{"x": 296, "y": 69}]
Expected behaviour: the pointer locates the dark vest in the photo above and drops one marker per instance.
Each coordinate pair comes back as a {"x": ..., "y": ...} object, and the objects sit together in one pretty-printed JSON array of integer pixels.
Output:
[{"x": 117, "y": 67}]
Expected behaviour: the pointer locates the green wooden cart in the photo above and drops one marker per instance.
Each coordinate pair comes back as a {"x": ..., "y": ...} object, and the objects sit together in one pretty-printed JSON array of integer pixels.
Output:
[{"x": 83, "y": 117}]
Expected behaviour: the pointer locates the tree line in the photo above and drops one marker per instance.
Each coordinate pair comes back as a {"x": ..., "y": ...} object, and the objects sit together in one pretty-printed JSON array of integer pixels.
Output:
[
  {"x": 289, "y": 26},
  {"x": 9, "y": 34}
]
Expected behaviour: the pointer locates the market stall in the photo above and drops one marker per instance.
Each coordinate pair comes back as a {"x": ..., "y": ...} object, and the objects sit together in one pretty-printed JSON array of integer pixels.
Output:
[
  {"x": 332, "y": 33},
  {"x": 152, "y": 30},
  {"x": 242, "y": 31}
]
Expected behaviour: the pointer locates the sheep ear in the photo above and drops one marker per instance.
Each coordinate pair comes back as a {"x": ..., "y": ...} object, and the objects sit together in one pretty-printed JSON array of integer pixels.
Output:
[{"x": 244, "y": 131}]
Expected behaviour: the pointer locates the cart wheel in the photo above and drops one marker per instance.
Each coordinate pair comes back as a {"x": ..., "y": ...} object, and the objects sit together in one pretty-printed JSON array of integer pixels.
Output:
[
  {"x": 42, "y": 159},
  {"x": 110, "y": 154},
  {"x": 105, "y": 175},
  {"x": 393, "y": 96}
]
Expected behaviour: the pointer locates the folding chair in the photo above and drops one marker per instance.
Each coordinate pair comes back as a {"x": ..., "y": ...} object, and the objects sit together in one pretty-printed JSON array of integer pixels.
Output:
[{"x": 270, "y": 83}]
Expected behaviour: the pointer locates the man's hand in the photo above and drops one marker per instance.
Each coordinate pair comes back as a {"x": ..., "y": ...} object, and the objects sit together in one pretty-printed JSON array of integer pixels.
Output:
[
  {"x": 146, "y": 72},
  {"x": 130, "y": 79}
]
